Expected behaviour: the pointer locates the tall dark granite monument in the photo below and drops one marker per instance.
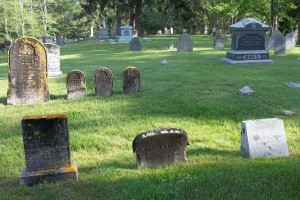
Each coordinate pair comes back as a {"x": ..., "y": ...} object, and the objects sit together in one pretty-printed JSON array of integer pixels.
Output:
[
  {"x": 160, "y": 147},
  {"x": 248, "y": 40},
  {"x": 27, "y": 72},
  {"x": 76, "y": 88},
  {"x": 103, "y": 82},
  {"x": 47, "y": 149},
  {"x": 131, "y": 80}
]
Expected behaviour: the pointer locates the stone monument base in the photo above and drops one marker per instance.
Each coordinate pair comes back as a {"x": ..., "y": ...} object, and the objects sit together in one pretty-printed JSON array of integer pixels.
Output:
[
  {"x": 35, "y": 177},
  {"x": 124, "y": 39},
  {"x": 247, "y": 57}
]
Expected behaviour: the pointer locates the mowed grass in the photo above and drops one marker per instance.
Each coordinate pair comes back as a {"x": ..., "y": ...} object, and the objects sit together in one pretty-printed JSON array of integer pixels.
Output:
[{"x": 194, "y": 92}]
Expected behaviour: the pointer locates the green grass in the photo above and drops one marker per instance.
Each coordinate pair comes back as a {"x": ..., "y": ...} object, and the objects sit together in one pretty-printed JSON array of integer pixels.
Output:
[{"x": 195, "y": 92}]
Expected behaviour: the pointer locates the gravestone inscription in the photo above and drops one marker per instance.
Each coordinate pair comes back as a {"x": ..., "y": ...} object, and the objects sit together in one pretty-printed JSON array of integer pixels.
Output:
[
  {"x": 103, "y": 82},
  {"x": 76, "y": 88},
  {"x": 135, "y": 44},
  {"x": 131, "y": 80},
  {"x": 47, "y": 149},
  {"x": 27, "y": 74},
  {"x": 53, "y": 60},
  {"x": 160, "y": 147},
  {"x": 263, "y": 138},
  {"x": 184, "y": 43}
]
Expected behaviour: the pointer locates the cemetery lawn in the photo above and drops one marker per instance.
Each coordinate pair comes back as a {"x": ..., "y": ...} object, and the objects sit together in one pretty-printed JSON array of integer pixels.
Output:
[{"x": 194, "y": 92}]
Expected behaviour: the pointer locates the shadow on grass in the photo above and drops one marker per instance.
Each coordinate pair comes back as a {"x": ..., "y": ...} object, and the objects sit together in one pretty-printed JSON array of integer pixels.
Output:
[
  {"x": 213, "y": 152},
  {"x": 3, "y": 100}
]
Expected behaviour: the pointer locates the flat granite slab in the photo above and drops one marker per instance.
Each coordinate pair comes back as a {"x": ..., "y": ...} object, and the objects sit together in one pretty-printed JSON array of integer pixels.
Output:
[{"x": 234, "y": 62}]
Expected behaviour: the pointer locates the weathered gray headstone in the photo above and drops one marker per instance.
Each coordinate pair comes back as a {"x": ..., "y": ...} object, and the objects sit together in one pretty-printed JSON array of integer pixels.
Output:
[
  {"x": 60, "y": 40},
  {"x": 219, "y": 44},
  {"x": 287, "y": 112},
  {"x": 290, "y": 40},
  {"x": 160, "y": 147},
  {"x": 246, "y": 91},
  {"x": 103, "y": 82},
  {"x": 135, "y": 44},
  {"x": 263, "y": 138},
  {"x": 53, "y": 60},
  {"x": 279, "y": 45},
  {"x": 47, "y": 149},
  {"x": 103, "y": 34},
  {"x": 76, "y": 86},
  {"x": 131, "y": 80},
  {"x": 184, "y": 43},
  {"x": 293, "y": 84},
  {"x": 126, "y": 34},
  {"x": 248, "y": 43},
  {"x": 27, "y": 74}
]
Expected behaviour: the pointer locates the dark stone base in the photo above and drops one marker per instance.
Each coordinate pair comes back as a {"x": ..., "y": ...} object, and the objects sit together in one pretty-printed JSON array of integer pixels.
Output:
[
  {"x": 237, "y": 62},
  {"x": 247, "y": 57},
  {"x": 35, "y": 177}
]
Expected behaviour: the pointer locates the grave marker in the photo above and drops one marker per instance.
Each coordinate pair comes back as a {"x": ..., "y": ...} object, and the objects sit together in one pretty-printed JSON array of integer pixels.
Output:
[
  {"x": 103, "y": 82},
  {"x": 279, "y": 45},
  {"x": 47, "y": 149},
  {"x": 160, "y": 147},
  {"x": 131, "y": 80},
  {"x": 53, "y": 60},
  {"x": 263, "y": 138},
  {"x": 76, "y": 85},
  {"x": 27, "y": 74},
  {"x": 135, "y": 44},
  {"x": 184, "y": 43}
]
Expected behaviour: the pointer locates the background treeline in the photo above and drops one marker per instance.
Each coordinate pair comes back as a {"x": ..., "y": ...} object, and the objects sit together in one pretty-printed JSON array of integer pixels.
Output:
[{"x": 77, "y": 18}]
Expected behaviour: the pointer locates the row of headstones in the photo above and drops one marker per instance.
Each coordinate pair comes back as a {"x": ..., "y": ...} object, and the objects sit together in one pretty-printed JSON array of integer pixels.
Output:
[
  {"x": 47, "y": 149},
  {"x": 103, "y": 82}
]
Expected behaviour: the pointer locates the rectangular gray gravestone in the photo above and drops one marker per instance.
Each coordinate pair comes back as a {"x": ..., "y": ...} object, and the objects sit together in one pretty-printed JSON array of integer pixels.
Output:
[
  {"x": 279, "y": 45},
  {"x": 103, "y": 82},
  {"x": 219, "y": 44},
  {"x": 27, "y": 74},
  {"x": 248, "y": 43},
  {"x": 290, "y": 40},
  {"x": 135, "y": 44},
  {"x": 76, "y": 85},
  {"x": 160, "y": 147},
  {"x": 131, "y": 80},
  {"x": 47, "y": 150},
  {"x": 263, "y": 138},
  {"x": 184, "y": 43},
  {"x": 126, "y": 34},
  {"x": 53, "y": 60}
]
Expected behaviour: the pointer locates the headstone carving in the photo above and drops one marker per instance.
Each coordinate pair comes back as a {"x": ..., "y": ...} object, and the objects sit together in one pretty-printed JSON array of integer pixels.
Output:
[
  {"x": 27, "y": 74},
  {"x": 76, "y": 87},
  {"x": 53, "y": 60},
  {"x": 103, "y": 34},
  {"x": 131, "y": 80},
  {"x": 47, "y": 149},
  {"x": 248, "y": 43},
  {"x": 263, "y": 138},
  {"x": 126, "y": 34},
  {"x": 160, "y": 147},
  {"x": 135, "y": 44},
  {"x": 279, "y": 45},
  {"x": 184, "y": 43},
  {"x": 103, "y": 82}
]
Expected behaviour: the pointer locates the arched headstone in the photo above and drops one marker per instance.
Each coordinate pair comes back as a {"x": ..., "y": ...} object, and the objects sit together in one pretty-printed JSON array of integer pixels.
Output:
[
  {"x": 76, "y": 85},
  {"x": 27, "y": 74},
  {"x": 135, "y": 44},
  {"x": 131, "y": 80},
  {"x": 184, "y": 43},
  {"x": 103, "y": 82}
]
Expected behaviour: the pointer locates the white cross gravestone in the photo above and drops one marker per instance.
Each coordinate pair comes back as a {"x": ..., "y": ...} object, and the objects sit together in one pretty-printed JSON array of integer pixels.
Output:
[{"x": 263, "y": 138}]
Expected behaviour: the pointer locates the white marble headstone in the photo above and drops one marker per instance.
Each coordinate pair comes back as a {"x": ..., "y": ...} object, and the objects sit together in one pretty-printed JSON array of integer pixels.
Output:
[{"x": 263, "y": 138}]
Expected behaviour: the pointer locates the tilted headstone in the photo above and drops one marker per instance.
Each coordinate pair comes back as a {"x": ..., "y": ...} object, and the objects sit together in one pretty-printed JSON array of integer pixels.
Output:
[
  {"x": 184, "y": 43},
  {"x": 53, "y": 60},
  {"x": 27, "y": 74},
  {"x": 103, "y": 82},
  {"x": 76, "y": 87},
  {"x": 248, "y": 43},
  {"x": 47, "y": 149},
  {"x": 160, "y": 147},
  {"x": 135, "y": 44},
  {"x": 103, "y": 34},
  {"x": 290, "y": 40},
  {"x": 131, "y": 80},
  {"x": 279, "y": 45},
  {"x": 263, "y": 138}
]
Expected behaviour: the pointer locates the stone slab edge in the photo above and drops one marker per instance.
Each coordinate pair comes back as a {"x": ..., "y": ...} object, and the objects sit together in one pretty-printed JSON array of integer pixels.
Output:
[{"x": 238, "y": 62}]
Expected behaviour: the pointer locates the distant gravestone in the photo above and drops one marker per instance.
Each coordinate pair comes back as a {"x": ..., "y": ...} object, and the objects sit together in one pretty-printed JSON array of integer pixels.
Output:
[
  {"x": 160, "y": 147},
  {"x": 135, "y": 44},
  {"x": 47, "y": 149},
  {"x": 27, "y": 75},
  {"x": 248, "y": 38},
  {"x": 245, "y": 91},
  {"x": 219, "y": 44},
  {"x": 263, "y": 138},
  {"x": 126, "y": 34},
  {"x": 60, "y": 40},
  {"x": 103, "y": 82},
  {"x": 290, "y": 40},
  {"x": 131, "y": 80},
  {"x": 279, "y": 45},
  {"x": 184, "y": 43},
  {"x": 103, "y": 34},
  {"x": 53, "y": 60},
  {"x": 76, "y": 85}
]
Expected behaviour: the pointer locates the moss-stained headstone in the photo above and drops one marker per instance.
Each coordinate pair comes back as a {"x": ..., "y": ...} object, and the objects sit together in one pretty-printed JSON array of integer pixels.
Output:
[
  {"x": 160, "y": 147},
  {"x": 103, "y": 82},
  {"x": 131, "y": 80},
  {"x": 76, "y": 87},
  {"x": 47, "y": 149},
  {"x": 27, "y": 73}
]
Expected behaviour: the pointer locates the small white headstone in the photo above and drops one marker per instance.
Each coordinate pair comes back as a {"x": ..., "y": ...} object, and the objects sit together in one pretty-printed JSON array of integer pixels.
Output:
[
  {"x": 287, "y": 112},
  {"x": 164, "y": 62},
  {"x": 263, "y": 138},
  {"x": 246, "y": 91}
]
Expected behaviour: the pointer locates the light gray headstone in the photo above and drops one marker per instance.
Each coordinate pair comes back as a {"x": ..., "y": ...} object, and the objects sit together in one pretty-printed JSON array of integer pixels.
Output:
[
  {"x": 184, "y": 43},
  {"x": 279, "y": 45},
  {"x": 263, "y": 138},
  {"x": 53, "y": 60},
  {"x": 246, "y": 90},
  {"x": 103, "y": 34},
  {"x": 287, "y": 112},
  {"x": 290, "y": 40},
  {"x": 219, "y": 44}
]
